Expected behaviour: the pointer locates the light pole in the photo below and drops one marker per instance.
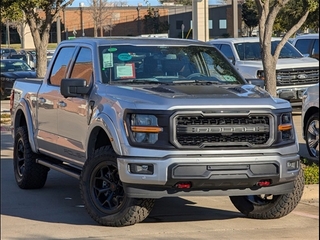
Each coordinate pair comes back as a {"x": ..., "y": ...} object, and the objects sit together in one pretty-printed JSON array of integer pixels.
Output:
[{"x": 81, "y": 5}]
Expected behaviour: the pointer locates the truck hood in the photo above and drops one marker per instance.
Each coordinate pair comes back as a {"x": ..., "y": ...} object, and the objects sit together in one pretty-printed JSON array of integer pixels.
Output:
[
  {"x": 20, "y": 74},
  {"x": 166, "y": 96},
  {"x": 284, "y": 63}
]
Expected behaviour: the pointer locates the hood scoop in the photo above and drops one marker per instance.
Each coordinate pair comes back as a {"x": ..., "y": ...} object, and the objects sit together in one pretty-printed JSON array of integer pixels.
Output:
[
  {"x": 237, "y": 90},
  {"x": 160, "y": 89}
]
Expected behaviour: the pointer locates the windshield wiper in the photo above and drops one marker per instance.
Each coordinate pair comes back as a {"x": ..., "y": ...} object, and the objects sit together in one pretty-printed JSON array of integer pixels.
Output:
[
  {"x": 151, "y": 80},
  {"x": 195, "y": 81}
]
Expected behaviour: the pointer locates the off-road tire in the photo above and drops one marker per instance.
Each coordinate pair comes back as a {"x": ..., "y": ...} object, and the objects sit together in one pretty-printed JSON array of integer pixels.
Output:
[
  {"x": 103, "y": 194},
  {"x": 312, "y": 135},
  {"x": 28, "y": 173},
  {"x": 276, "y": 207}
]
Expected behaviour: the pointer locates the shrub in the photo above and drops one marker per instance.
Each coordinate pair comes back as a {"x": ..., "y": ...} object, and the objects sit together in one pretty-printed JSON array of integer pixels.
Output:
[{"x": 311, "y": 171}]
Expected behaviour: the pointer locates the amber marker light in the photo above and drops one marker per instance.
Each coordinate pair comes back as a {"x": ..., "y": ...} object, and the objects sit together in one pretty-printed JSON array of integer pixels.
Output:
[
  {"x": 146, "y": 129},
  {"x": 285, "y": 127}
]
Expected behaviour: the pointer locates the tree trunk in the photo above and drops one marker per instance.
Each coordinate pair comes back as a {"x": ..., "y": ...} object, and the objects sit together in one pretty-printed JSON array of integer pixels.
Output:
[
  {"x": 42, "y": 56},
  {"x": 40, "y": 40},
  {"x": 95, "y": 30}
]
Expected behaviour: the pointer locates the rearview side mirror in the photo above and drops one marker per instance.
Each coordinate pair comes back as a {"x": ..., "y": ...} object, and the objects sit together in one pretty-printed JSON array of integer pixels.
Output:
[{"x": 74, "y": 87}]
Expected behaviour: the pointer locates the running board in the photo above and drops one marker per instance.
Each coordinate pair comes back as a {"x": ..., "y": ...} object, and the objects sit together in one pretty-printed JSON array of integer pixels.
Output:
[{"x": 61, "y": 167}]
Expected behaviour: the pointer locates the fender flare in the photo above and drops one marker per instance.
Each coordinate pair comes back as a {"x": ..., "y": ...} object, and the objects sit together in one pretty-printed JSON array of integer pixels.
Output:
[
  {"x": 23, "y": 106},
  {"x": 104, "y": 121}
]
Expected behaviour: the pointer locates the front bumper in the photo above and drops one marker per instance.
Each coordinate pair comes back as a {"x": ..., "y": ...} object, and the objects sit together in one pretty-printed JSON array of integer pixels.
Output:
[
  {"x": 293, "y": 94},
  {"x": 210, "y": 175}
]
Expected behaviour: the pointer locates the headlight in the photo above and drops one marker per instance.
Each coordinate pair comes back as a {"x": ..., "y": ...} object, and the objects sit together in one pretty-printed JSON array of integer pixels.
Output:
[
  {"x": 286, "y": 127},
  {"x": 260, "y": 74},
  {"x": 144, "y": 128}
]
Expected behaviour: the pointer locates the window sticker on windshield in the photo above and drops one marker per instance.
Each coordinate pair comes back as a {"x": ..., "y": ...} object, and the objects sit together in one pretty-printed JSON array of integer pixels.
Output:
[
  {"x": 112, "y": 49},
  {"x": 123, "y": 71},
  {"x": 229, "y": 78},
  {"x": 107, "y": 59},
  {"x": 124, "y": 57}
]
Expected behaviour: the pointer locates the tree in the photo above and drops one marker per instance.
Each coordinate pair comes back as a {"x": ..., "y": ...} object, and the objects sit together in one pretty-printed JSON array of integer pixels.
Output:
[
  {"x": 250, "y": 15},
  {"x": 152, "y": 22},
  {"x": 291, "y": 13},
  {"x": 101, "y": 12},
  {"x": 40, "y": 24},
  {"x": 268, "y": 11}
]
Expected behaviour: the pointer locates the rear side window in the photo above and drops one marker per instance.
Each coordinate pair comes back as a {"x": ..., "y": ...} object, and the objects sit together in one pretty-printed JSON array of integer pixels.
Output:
[
  {"x": 60, "y": 65},
  {"x": 303, "y": 45}
]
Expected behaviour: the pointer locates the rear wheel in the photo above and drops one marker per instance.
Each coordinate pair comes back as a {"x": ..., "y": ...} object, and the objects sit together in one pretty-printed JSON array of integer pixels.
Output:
[
  {"x": 312, "y": 135},
  {"x": 103, "y": 193},
  {"x": 270, "y": 206},
  {"x": 28, "y": 173}
]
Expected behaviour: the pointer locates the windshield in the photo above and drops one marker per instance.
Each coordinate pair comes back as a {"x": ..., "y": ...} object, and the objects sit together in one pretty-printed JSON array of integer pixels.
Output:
[
  {"x": 173, "y": 64},
  {"x": 252, "y": 50},
  {"x": 14, "y": 66}
]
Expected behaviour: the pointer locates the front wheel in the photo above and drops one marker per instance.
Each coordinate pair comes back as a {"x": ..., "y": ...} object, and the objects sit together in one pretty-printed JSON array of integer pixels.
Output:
[
  {"x": 270, "y": 206},
  {"x": 103, "y": 194},
  {"x": 312, "y": 135}
]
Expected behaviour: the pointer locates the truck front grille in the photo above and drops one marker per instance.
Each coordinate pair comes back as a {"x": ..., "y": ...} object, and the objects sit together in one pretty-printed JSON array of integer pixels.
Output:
[
  {"x": 211, "y": 131},
  {"x": 297, "y": 76}
]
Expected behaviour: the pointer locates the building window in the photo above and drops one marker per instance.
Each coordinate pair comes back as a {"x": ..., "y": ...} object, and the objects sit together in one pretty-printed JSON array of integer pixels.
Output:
[
  {"x": 222, "y": 24},
  {"x": 210, "y": 24}
]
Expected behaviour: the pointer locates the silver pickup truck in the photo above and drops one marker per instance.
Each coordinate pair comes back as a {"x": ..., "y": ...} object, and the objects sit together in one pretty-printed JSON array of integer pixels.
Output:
[{"x": 136, "y": 119}]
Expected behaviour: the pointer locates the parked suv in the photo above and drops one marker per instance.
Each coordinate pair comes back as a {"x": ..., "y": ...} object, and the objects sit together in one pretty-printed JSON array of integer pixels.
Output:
[
  {"x": 308, "y": 44},
  {"x": 7, "y": 52},
  {"x": 295, "y": 73}
]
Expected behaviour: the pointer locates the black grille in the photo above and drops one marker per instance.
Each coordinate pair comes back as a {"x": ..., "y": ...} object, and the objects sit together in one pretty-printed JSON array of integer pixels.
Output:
[
  {"x": 222, "y": 131},
  {"x": 297, "y": 76}
]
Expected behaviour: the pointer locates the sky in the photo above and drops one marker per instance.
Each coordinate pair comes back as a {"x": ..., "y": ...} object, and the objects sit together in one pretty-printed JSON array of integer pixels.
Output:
[{"x": 131, "y": 2}]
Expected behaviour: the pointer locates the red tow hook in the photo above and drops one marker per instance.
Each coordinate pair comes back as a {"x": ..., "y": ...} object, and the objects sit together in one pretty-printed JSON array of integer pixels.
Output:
[
  {"x": 185, "y": 185},
  {"x": 264, "y": 183}
]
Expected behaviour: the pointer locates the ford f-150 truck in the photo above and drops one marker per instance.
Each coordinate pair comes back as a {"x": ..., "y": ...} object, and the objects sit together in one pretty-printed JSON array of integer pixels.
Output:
[
  {"x": 137, "y": 119},
  {"x": 295, "y": 73}
]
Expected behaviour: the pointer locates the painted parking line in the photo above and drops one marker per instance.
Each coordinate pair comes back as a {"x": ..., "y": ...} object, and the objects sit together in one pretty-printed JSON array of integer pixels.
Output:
[{"x": 305, "y": 215}]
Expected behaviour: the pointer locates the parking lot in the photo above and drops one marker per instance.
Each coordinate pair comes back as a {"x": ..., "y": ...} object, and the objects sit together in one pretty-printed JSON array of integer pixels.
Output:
[{"x": 57, "y": 212}]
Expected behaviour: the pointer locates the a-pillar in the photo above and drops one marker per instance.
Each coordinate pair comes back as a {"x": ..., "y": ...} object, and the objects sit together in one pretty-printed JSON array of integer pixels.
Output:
[{"x": 200, "y": 20}]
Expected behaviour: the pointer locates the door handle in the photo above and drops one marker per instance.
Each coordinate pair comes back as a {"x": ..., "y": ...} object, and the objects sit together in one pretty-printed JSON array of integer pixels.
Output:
[{"x": 62, "y": 104}]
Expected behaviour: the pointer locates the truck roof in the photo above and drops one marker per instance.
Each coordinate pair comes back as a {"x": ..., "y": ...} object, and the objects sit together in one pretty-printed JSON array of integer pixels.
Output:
[
  {"x": 240, "y": 40},
  {"x": 120, "y": 40}
]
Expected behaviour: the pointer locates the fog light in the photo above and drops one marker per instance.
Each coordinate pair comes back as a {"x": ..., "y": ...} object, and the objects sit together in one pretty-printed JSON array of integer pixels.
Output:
[
  {"x": 139, "y": 168},
  {"x": 292, "y": 165}
]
